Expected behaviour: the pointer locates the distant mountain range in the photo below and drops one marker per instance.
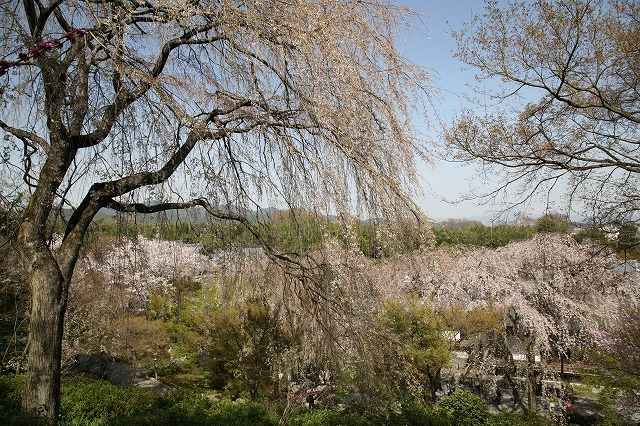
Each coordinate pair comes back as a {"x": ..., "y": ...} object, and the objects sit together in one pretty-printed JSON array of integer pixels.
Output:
[{"x": 192, "y": 215}]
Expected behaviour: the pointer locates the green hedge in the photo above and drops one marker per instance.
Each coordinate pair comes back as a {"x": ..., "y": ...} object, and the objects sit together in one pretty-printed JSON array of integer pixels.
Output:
[{"x": 91, "y": 399}]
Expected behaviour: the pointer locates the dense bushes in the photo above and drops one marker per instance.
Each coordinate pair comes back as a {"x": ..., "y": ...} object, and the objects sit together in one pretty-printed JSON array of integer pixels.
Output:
[
  {"x": 97, "y": 403},
  {"x": 299, "y": 232},
  {"x": 94, "y": 402},
  {"x": 464, "y": 408},
  {"x": 475, "y": 234},
  {"x": 97, "y": 399}
]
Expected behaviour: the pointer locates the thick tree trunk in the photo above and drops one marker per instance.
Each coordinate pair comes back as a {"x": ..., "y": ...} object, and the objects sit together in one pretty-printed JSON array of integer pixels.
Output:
[
  {"x": 48, "y": 280},
  {"x": 42, "y": 392}
]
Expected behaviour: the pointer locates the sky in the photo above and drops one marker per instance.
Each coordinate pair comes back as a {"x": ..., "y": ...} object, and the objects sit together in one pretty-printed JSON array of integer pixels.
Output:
[{"x": 433, "y": 48}]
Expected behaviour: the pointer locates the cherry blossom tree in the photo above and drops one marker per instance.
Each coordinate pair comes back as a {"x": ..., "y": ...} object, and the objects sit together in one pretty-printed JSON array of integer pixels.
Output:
[
  {"x": 553, "y": 293},
  {"x": 227, "y": 105},
  {"x": 556, "y": 292},
  {"x": 111, "y": 292}
]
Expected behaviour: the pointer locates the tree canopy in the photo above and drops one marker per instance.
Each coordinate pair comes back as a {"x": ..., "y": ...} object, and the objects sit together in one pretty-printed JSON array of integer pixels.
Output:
[
  {"x": 229, "y": 105},
  {"x": 571, "y": 69}
]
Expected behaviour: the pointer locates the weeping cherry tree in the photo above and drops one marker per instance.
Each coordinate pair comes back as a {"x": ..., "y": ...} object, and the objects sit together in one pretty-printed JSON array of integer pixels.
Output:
[{"x": 229, "y": 105}]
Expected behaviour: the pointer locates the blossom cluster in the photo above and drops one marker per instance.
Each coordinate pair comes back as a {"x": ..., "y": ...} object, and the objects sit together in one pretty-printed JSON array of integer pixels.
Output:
[
  {"x": 560, "y": 292},
  {"x": 38, "y": 49},
  {"x": 137, "y": 266}
]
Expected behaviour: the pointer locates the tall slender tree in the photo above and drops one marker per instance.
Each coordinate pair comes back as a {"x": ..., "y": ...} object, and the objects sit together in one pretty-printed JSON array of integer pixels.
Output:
[{"x": 230, "y": 105}]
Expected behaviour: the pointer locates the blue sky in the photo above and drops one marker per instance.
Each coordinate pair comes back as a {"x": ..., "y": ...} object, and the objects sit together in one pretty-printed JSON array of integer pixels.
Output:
[{"x": 433, "y": 48}]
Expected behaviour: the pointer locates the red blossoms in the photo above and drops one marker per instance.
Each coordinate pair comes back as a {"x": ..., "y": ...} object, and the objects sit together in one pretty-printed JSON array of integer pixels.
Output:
[{"x": 39, "y": 49}]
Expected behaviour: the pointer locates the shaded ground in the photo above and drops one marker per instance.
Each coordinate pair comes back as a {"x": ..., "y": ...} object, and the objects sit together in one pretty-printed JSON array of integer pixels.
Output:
[{"x": 116, "y": 372}]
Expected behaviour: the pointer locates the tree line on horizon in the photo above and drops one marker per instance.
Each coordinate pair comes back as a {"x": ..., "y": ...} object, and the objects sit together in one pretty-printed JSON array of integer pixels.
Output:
[{"x": 299, "y": 233}]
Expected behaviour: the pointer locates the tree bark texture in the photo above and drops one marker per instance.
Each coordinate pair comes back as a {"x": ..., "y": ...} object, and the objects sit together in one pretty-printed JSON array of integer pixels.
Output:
[
  {"x": 48, "y": 283},
  {"x": 42, "y": 391}
]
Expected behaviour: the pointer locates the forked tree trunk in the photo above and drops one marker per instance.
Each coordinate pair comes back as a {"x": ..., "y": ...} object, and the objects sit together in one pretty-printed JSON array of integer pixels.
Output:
[
  {"x": 42, "y": 391},
  {"x": 48, "y": 274}
]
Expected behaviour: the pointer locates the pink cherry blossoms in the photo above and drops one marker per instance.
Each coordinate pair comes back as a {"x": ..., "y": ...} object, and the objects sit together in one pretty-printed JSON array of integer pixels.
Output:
[
  {"x": 38, "y": 49},
  {"x": 140, "y": 265}
]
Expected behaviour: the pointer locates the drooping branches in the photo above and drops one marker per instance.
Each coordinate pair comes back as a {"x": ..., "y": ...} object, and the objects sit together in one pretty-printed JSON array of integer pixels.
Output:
[
  {"x": 232, "y": 104},
  {"x": 569, "y": 70}
]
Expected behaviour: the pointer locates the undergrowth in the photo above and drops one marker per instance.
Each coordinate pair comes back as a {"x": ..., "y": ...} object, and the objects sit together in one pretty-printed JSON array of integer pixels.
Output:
[{"x": 91, "y": 402}]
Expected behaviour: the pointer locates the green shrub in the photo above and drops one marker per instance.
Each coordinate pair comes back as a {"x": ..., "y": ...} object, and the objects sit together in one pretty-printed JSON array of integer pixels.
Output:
[
  {"x": 92, "y": 399},
  {"x": 240, "y": 413},
  {"x": 414, "y": 412},
  {"x": 91, "y": 402},
  {"x": 553, "y": 223},
  {"x": 516, "y": 419},
  {"x": 410, "y": 413},
  {"x": 11, "y": 388},
  {"x": 464, "y": 408},
  {"x": 80, "y": 422},
  {"x": 177, "y": 407},
  {"x": 330, "y": 418},
  {"x": 183, "y": 407}
]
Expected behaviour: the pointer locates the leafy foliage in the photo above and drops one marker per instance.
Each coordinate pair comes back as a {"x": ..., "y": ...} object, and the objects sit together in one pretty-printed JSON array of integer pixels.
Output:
[
  {"x": 92, "y": 399},
  {"x": 553, "y": 223},
  {"x": 420, "y": 334},
  {"x": 515, "y": 419},
  {"x": 465, "y": 408},
  {"x": 88, "y": 402},
  {"x": 243, "y": 346},
  {"x": 11, "y": 389},
  {"x": 476, "y": 234},
  {"x": 595, "y": 235},
  {"x": 627, "y": 241}
]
